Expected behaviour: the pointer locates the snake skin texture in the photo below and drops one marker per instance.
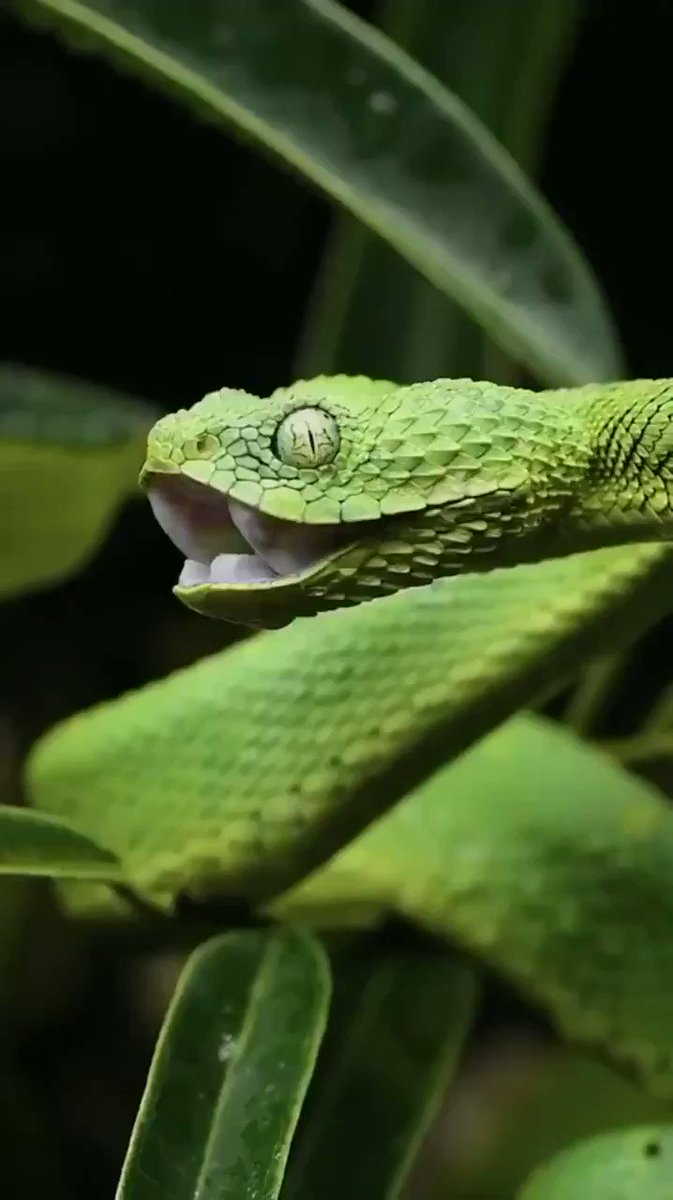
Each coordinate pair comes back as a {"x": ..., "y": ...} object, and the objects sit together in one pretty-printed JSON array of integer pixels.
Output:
[
  {"x": 247, "y": 769},
  {"x": 428, "y": 480}
]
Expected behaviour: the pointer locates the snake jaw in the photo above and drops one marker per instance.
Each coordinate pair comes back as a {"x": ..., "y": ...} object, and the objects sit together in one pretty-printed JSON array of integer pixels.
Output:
[{"x": 228, "y": 543}]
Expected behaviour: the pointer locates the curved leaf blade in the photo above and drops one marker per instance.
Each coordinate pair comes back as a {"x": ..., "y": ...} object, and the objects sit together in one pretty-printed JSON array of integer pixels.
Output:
[
  {"x": 503, "y": 60},
  {"x": 70, "y": 453},
  {"x": 397, "y": 1026},
  {"x": 230, "y": 1071},
  {"x": 341, "y": 103},
  {"x": 33, "y": 843}
]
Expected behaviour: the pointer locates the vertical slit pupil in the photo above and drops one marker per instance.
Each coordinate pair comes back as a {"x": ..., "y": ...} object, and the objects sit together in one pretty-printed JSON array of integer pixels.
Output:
[{"x": 311, "y": 441}]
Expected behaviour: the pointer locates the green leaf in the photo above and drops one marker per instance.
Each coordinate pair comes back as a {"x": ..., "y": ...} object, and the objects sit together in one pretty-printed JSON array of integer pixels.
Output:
[
  {"x": 32, "y": 843},
  {"x": 345, "y": 106},
  {"x": 630, "y": 1164},
  {"x": 503, "y": 60},
  {"x": 70, "y": 453},
  {"x": 541, "y": 855},
  {"x": 397, "y": 1026},
  {"x": 230, "y": 1071}
]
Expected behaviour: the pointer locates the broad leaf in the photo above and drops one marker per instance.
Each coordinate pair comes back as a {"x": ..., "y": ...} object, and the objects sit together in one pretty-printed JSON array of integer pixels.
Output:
[
  {"x": 543, "y": 856},
  {"x": 230, "y": 1071},
  {"x": 344, "y": 105},
  {"x": 33, "y": 843},
  {"x": 631, "y": 1164},
  {"x": 70, "y": 453},
  {"x": 503, "y": 60},
  {"x": 397, "y": 1026}
]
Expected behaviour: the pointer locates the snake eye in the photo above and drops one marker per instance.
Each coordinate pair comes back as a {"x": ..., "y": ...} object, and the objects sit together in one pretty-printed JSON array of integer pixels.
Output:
[{"x": 307, "y": 437}]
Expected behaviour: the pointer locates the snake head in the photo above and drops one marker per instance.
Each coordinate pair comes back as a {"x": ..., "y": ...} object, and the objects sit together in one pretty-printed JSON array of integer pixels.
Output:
[
  {"x": 326, "y": 493},
  {"x": 259, "y": 495}
]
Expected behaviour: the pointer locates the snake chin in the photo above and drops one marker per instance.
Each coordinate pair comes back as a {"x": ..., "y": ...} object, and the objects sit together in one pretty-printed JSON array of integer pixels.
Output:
[{"x": 227, "y": 542}]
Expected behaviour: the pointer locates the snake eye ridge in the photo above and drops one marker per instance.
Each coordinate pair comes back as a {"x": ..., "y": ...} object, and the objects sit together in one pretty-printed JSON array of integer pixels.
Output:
[{"x": 307, "y": 437}]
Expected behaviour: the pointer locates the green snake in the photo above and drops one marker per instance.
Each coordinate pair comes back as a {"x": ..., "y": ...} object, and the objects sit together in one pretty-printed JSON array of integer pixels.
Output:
[
  {"x": 247, "y": 773},
  {"x": 338, "y": 490}
]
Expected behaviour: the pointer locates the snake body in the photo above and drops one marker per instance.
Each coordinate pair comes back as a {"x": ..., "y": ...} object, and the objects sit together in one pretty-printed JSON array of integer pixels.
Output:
[{"x": 246, "y": 772}]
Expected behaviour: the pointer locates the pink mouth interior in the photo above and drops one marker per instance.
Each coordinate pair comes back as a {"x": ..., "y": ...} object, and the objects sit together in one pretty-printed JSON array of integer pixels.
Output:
[{"x": 227, "y": 542}]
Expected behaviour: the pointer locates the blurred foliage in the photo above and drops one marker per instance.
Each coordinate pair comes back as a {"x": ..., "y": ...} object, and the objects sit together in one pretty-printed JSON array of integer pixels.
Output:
[
  {"x": 82, "y": 445},
  {"x": 494, "y": 57},
  {"x": 240, "y": 1039}
]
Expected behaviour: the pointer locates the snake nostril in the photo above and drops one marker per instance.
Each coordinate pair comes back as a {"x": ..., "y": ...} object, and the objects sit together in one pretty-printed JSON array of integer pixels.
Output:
[{"x": 201, "y": 446}]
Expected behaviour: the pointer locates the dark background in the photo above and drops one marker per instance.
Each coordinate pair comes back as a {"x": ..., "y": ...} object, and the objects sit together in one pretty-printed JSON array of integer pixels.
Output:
[{"x": 141, "y": 250}]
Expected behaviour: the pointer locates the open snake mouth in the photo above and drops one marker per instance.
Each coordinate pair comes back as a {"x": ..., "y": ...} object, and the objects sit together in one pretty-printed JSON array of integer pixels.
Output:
[{"x": 227, "y": 542}]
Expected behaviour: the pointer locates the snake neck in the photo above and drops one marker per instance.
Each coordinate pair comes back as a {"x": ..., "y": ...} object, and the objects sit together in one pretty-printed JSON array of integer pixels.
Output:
[{"x": 630, "y": 478}]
